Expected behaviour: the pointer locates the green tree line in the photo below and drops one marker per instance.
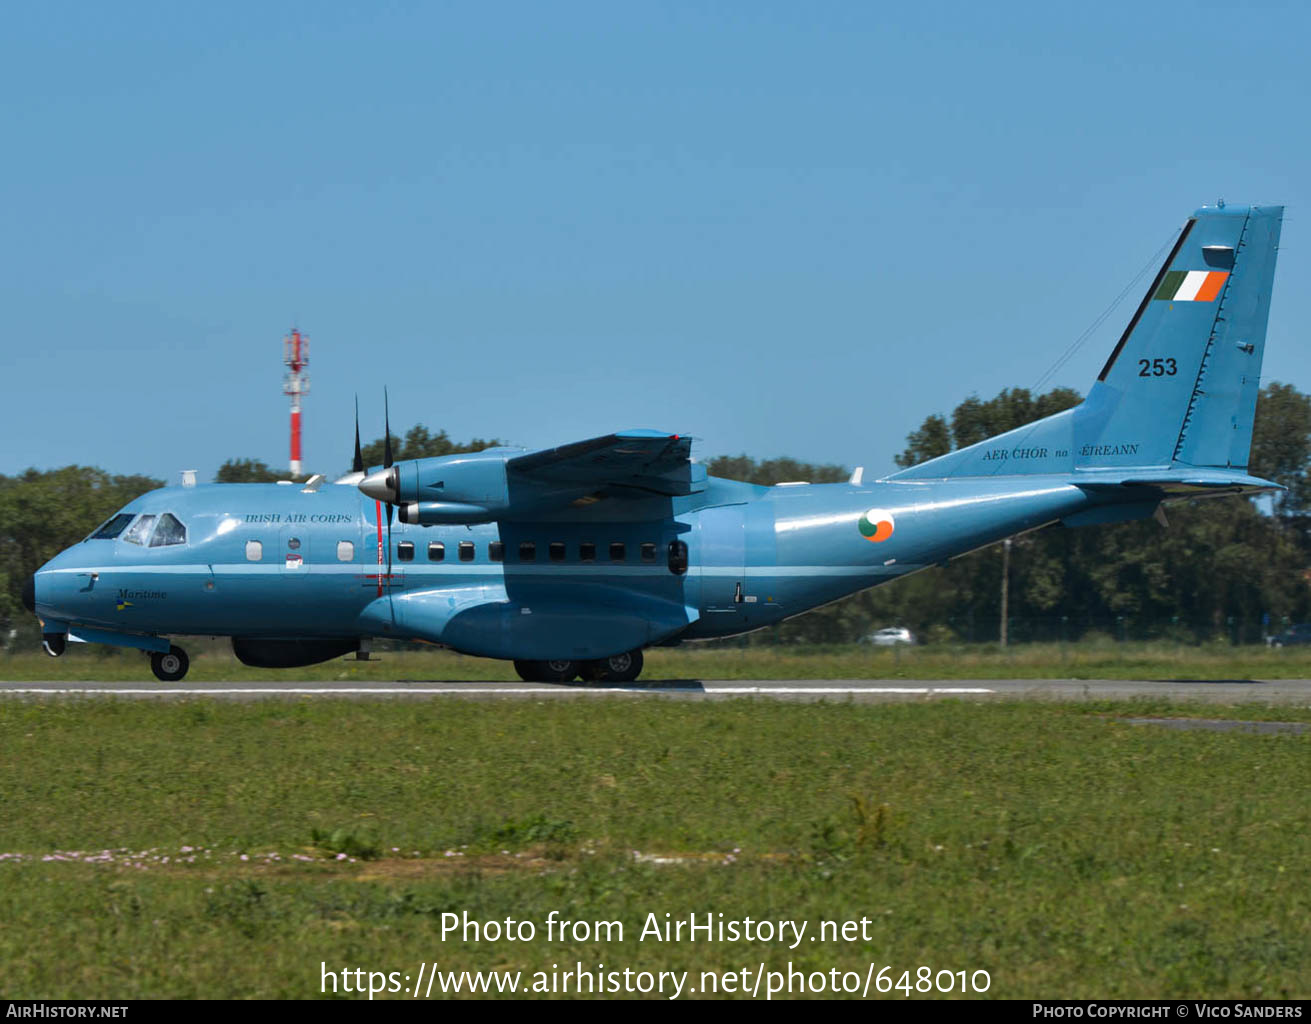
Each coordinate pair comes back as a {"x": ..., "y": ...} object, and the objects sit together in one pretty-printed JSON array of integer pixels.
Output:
[{"x": 1220, "y": 569}]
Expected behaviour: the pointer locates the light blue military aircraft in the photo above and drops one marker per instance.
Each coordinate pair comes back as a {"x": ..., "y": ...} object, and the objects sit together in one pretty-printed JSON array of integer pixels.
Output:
[{"x": 572, "y": 560}]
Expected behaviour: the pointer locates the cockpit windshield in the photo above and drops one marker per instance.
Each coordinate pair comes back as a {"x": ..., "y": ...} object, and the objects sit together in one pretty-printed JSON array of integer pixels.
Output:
[
  {"x": 140, "y": 530},
  {"x": 169, "y": 531},
  {"x": 156, "y": 531},
  {"x": 113, "y": 527}
]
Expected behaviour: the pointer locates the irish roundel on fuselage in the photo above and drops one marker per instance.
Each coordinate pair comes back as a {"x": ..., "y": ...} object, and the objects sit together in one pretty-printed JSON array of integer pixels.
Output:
[{"x": 877, "y": 525}]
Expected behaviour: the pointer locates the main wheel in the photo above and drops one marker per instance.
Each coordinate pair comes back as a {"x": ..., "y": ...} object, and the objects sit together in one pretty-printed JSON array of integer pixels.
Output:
[
  {"x": 557, "y": 671},
  {"x": 619, "y": 668},
  {"x": 547, "y": 671},
  {"x": 170, "y": 667}
]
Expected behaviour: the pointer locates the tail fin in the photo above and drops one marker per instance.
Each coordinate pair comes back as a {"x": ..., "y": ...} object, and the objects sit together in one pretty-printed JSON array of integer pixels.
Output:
[
  {"x": 1180, "y": 388},
  {"x": 1205, "y": 320}
]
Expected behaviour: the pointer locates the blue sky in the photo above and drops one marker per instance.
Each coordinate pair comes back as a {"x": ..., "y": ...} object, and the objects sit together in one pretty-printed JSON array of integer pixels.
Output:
[{"x": 787, "y": 229}]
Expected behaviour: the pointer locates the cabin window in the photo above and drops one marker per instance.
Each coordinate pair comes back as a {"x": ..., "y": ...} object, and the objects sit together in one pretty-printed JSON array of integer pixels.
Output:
[
  {"x": 254, "y": 551},
  {"x": 140, "y": 530},
  {"x": 556, "y": 549},
  {"x": 345, "y": 551},
  {"x": 496, "y": 551},
  {"x": 648, "y": 552},
  {"x": 466, "y": 551},
  {"x": 617, "y": 551},
  {"x": 168, "y": 531},
  {"x": 677, "y": 557},
  {"x": 436, "y": 551},
  {"x": 405, "y": 551},
  {"x": 587, "y": 551},
  {"x": 527, "y": 551},
  {"x": 113, "y": 528}
]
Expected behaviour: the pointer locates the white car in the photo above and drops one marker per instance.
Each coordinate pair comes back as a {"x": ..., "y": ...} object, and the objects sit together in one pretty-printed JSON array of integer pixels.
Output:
[{"x": 891, "y": 636}]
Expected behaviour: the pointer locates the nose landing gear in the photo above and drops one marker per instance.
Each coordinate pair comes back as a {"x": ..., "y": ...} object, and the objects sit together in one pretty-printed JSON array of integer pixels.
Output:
[{"x": 171, "y": 666}]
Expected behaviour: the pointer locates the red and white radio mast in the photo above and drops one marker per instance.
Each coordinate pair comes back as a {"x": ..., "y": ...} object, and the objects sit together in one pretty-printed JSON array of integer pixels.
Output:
[{"x": 296, "y": 383}]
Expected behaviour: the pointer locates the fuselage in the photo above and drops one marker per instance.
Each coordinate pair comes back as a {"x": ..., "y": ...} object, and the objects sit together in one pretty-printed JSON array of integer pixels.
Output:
[{"x": 278, "y": 560}]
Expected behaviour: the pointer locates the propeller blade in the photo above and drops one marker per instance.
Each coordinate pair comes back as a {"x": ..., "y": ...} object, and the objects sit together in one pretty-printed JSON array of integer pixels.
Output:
[
  {"x": 358, "y": 465},
  {"x": 391, "y": 509},
  {"x": 389, "y": 579},
  {"x": 387, "y": 462}
]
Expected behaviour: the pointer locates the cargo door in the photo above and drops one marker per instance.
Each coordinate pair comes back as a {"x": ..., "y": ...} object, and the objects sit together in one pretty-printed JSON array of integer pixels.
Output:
[{"x": 722, "y": 557}]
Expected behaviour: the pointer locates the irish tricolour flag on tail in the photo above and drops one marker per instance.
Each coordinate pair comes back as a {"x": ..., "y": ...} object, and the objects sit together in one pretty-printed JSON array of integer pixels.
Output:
[{"x": 1191, "y": 285}]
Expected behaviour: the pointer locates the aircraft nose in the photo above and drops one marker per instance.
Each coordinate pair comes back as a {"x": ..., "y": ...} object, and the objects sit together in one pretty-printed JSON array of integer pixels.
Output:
[
  {"x": 29, "y": 594},
  {"x": 381, "y": 485}
]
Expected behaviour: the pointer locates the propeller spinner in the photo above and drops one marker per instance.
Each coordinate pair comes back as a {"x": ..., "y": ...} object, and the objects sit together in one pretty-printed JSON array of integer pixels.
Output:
[{"x": 382, "y": 484}]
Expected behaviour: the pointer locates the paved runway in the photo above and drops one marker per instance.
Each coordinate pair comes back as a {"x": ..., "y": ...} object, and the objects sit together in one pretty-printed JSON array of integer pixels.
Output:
[{"x": 1227, "y": 691}]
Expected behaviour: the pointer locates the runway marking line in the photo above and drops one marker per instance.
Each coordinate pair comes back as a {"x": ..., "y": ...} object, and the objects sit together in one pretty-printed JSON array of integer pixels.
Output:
[{"x": 476, "y": 691}]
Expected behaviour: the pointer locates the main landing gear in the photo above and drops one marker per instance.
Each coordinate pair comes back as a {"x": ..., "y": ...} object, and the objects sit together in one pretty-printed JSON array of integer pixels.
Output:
[
  {"x": 170, "y": 667},
  {"x": 619, "y": 668}
]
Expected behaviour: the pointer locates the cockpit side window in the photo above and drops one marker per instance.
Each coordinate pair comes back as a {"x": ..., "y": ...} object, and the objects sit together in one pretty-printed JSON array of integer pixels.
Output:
[
  {"x": 140, "y": 530},
  {"x": 111, "y": 529},
  {"x": 169, "y": 531}
]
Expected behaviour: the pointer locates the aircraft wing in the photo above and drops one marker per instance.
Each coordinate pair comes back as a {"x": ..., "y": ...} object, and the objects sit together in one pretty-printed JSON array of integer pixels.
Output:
[{"x": 645, "y": 460}]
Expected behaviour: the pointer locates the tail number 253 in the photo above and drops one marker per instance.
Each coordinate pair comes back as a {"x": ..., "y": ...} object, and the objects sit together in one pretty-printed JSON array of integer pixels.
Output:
[{"x": 1157, "y": 368}]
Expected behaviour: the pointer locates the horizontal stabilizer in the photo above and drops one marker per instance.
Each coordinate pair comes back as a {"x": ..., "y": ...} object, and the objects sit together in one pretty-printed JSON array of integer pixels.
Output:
[{"x": 1182, "y": 483}]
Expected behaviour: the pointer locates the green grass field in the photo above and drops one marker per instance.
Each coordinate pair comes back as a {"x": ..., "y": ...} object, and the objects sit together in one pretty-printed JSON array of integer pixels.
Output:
[
  {"x": 1100, "y": 660},
  {"x": 1060, "y": 848}
]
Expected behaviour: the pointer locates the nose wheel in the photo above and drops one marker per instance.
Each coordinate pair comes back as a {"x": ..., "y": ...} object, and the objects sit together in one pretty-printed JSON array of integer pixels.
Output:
[{"x": 171, "y": 666}]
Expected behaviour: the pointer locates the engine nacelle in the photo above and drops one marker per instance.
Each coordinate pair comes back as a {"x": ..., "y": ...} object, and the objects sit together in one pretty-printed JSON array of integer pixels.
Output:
[
  {"x": 434, "y": 513},
  {"x": 477, "y": 478},
  {"x": 468, "y": 488}
]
